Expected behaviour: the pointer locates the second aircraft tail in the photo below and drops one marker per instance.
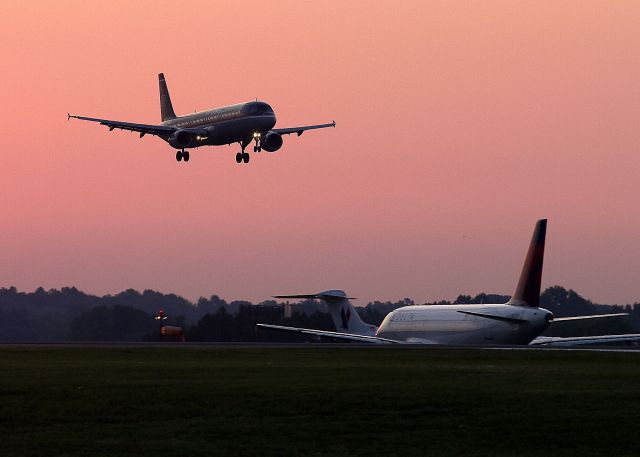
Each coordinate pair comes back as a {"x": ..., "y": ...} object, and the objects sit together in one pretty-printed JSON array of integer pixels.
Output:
[{"x": 345, "y": 317}]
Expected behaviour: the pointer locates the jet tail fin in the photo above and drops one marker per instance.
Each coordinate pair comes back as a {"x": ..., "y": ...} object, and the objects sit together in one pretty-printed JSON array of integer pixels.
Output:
[
  {"x": 166, "y": 108},
  {"x": 345, "y": 317},
  {"x": 528, "y": 290}
]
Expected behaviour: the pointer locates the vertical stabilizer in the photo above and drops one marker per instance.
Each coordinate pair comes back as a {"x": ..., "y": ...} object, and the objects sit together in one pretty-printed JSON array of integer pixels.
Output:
[
  {"x": 166, "y": 108},
  {"x": 528, "y": 290},
  {"x": 345, "y": 317}
]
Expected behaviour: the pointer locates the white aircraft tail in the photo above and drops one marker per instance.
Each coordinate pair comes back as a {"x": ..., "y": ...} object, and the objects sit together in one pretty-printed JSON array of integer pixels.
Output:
[
  {"x": 166, "y": 108},
  {"x": 528, "y": 290},
  {"x": 345, "y": 317}
]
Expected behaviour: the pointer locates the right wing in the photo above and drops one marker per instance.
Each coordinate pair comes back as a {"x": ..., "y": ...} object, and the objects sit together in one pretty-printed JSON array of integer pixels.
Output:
[
  {"x": 299, "y": 130},
  {"x": 582, "y": 340},
  {"x": 592, "y": 316},
  {"x": 327, "y": 334},
  {"x": 142, "y": 129}
]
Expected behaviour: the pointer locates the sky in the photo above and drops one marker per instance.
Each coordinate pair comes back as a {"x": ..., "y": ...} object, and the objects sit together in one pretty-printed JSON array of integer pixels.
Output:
[{"x": 459, "y": 124}]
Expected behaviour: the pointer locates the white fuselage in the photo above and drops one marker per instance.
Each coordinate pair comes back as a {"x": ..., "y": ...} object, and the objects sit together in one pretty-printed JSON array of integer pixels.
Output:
[{"x": 450, "y": 324}]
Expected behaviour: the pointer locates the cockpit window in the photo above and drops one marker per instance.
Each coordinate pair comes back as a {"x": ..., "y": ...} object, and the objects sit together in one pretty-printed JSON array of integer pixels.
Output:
[{"x": 259, "y": 109}]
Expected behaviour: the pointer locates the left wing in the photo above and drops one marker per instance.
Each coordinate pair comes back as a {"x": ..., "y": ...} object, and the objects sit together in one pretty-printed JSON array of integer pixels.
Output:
[
  {"x": 143, "y": 129},
  {"x": 299, "y": 130},
  {"x": 582, "y": 340},
  {"x": 327, "y": 334},
  {"x": 511, "y": 320}
]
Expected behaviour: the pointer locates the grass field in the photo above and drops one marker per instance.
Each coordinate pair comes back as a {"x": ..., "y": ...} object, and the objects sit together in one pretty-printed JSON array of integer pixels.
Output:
[{"x": 317, "y": 401}]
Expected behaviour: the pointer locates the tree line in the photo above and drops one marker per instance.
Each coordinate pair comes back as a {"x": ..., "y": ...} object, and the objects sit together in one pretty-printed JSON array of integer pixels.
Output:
[{"x": 69, "y": 314}]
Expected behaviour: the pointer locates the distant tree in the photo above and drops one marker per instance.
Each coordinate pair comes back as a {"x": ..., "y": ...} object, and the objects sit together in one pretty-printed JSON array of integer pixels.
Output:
[
  {"x": 54, "y": 315},
  {"x": 112, "y": 323}
]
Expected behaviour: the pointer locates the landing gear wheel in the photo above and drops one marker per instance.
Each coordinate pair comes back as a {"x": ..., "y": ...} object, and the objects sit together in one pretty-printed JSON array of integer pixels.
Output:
[
  {"x": 246, "y": 157},
  {"x": 185, "y": 155},
  {"x": 259, "y": 148},
  {"x": 239, "y": 157},
  {"x": 255, "y": 149},
  {"x": 179, "y": 156}
]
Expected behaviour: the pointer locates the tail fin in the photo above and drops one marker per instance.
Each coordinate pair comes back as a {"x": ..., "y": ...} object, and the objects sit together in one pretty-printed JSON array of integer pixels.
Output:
[
  {"x": 344, "y": 315},
  {"x": 528, "y": 290},
  {"x": 166, "y": 108}
]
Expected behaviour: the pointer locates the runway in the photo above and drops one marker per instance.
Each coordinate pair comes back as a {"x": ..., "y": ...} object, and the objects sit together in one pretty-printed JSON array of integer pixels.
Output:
[{"x": 266, "y": 345}]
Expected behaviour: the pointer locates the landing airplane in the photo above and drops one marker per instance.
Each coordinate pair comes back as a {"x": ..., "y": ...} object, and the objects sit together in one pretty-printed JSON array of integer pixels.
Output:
[
  {"x": 243, "y": 123},
  {"x": 519, "y": 321}
]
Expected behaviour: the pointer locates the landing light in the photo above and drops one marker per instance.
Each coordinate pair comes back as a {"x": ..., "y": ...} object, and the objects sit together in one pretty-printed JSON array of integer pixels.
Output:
[{"x": 256, "y": 135}]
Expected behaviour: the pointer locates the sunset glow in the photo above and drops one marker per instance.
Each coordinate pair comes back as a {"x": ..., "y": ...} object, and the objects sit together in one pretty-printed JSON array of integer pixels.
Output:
[{"x": 459, "y": 124}]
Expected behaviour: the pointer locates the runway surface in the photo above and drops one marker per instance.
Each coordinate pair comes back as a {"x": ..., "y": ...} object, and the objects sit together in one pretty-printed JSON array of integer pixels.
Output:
[{"x": 232, "y": 345}]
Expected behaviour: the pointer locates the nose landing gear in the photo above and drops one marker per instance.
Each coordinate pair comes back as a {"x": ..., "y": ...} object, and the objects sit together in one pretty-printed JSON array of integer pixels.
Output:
[{"x": 257, "y": 137}]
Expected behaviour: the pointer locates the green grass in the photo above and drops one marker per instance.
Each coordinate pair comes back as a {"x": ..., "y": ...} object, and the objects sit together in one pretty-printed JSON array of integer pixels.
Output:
[{"x": 319, "y": 401}]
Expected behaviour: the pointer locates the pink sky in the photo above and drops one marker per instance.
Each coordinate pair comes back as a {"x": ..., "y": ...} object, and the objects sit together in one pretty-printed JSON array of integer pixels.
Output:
[{"x": 459, "y": 124}]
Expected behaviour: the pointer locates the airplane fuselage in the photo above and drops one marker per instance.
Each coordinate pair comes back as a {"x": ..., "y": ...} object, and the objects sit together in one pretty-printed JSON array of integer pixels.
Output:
[
  {"x": 455, "y": 324},
  {"x": 226, "y": 125}
]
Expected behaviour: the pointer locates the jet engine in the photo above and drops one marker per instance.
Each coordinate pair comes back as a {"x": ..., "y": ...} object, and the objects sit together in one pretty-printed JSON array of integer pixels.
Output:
[
  {"x": 271, "y": 142},
  {"x": 180, "y": 139}
]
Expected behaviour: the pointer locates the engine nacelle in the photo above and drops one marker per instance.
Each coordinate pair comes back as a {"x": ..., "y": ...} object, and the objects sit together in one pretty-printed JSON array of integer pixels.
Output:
[
  {"x": 271, "y": 142},
  {"x": 180, "y": 139}
]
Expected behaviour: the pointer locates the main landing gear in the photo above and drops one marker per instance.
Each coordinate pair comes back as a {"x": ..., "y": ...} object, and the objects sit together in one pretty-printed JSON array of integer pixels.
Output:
[
  {"x": 243, "y": 156},
  {"x": 182, "y": 154}
]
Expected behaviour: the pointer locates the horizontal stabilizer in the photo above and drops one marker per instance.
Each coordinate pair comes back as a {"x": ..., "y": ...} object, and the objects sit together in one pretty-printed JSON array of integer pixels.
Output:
[
  {"x": 512, "y": 320},
  {"x": 592, "y": 316},
  {"x": 326, "y": 295}
]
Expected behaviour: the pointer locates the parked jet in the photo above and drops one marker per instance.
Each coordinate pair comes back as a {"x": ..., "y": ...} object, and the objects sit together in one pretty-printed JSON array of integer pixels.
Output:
[
  {"x": 243, "y": 123},
  {"x": 519, "y": 321}
]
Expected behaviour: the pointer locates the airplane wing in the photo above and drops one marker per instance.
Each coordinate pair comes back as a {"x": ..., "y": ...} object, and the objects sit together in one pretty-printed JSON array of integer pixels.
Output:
[
  {"x": 511, "y": 320},
  {"x": 142, "y": 129},
  {"x": 583, "y": 340},
  {"x": 592, "y": 316},
  {"x": 327, "y": 334},
  {"x": 299, "y": 130}
]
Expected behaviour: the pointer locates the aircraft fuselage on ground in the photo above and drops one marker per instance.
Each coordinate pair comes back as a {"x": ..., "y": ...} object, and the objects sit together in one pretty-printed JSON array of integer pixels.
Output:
[
  {"x": 242, "y": 123},
  {"x": 465, "y": 324},
  {"x": 519, "y": 321}
]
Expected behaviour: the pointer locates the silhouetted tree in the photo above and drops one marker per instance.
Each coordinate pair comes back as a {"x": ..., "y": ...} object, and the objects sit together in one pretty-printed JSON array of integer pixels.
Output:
[{"x": 112, "y": 323}]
